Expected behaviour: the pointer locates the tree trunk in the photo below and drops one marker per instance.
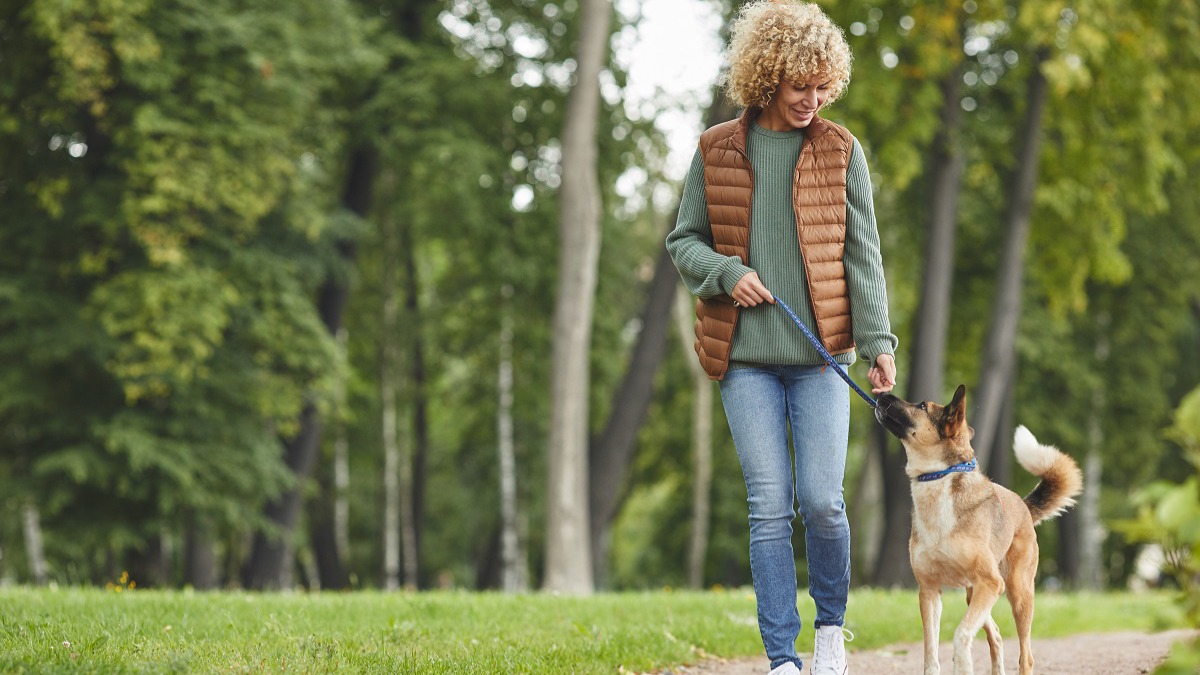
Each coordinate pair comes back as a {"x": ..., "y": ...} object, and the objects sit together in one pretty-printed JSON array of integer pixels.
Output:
[
  {"x": 612, "y": 454},
  {"x": 412, "y": 471},
  {"x": 341, "y": 466},
  {"x": 329, "y": 571},
  {"x": 399, "y": 543},
  {"x": 999, "y": 466},
  {"x": 199, "y": 558},
  {"x": 268, "y": 554},
  {"x": 1091, "y": 527},
  {"x": 34, "y": 550},
  {"x": 329, "y": 503},
  {"x": 148, "y": 566},
  {"x": 389, "y": 432},
  {"x": 489, "y": 564},
  {"x": 1068, "y": 549},
  {"x": 303, "y": 563},
  {"x": 1092, "y": 532},
  {"x": 702, "y": 480},
  {"x": 1000, "y": 353},
  {"x": 866, "y": 512},
  {"x": 270, "y": 561},
  {"x": 568, "y": 541},
  {"x": 927, "y": 355},
  {"x": 928, "y": 352},
  {"x": 702, "y": 429},
  {"x": 892, "y": 567},
  {"x": 514, "y": 577}
]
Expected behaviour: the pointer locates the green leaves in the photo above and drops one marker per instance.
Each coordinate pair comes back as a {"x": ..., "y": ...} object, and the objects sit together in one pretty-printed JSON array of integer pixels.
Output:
[
  {"x": 1186, "y": 430},
  {"x": 168, "y": 323},
  {"x": 1168, "y": 514},
  {"x": 173, "y": 168}
]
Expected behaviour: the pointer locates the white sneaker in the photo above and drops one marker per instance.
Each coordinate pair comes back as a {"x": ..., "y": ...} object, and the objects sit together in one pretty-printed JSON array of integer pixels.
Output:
[
  {"x": 788, "y": 668},
  {"x": 829, "y": 651}
]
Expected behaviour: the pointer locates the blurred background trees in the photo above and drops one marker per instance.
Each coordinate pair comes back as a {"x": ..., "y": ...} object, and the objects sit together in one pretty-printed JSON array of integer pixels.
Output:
[{"x": 277, "y": 289}]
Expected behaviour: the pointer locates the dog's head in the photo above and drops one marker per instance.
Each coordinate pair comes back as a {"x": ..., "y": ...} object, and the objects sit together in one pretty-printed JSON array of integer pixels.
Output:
[{"x": 934, "y": 436}]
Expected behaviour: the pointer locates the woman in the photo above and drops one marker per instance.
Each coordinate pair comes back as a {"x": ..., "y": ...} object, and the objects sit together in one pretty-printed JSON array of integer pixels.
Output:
[{"x": 778, "y": 202}]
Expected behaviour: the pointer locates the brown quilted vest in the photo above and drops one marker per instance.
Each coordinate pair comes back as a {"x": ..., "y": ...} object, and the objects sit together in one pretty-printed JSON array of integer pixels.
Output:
[{"x": 819, "y": 193}]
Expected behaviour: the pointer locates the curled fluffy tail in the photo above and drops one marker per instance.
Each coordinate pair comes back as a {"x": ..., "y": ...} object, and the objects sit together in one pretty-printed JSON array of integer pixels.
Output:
[{"x": 1061, "y": 478}]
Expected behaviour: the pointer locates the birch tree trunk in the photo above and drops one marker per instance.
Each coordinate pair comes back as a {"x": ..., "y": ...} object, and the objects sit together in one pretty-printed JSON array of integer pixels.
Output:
[
  {"x": 702, "y": 478},
  {"x": 568, "y": 541},
  {"x": 388, "y": 387},
  {"x": 1000, "y": 353},
  {"x": 1092, "y": 532},
  {"x": 34, "y": 550},
  {"x": 513, "y": 576},
  {"x": 400, "y": 558},
  {"x": 409, "y": 559},
  {"x": 927, "y": 353},
  {"x": 341, "y": 465},
  {"x": 702, "y": 430},
  {"x": 1091, "y": 527}
]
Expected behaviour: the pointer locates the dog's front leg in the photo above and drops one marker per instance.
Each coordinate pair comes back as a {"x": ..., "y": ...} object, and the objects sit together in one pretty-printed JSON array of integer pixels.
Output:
[
  {"x": 984, "y": 594},
  {"x": 931, "y": 621},
  {"x": 995, "y": 642}
]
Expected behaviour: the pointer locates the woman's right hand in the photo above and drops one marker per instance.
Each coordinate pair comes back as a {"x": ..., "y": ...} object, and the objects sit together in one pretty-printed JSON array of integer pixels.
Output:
[{"x": 749, "y": 291}]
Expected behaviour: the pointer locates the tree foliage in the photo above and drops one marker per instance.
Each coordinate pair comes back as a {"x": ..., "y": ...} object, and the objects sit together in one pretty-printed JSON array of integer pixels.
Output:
[{"x": 168, "y": 171}]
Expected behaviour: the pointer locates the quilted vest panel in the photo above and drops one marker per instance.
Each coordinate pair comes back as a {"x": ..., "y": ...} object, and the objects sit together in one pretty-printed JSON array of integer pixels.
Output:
[{"x": 819, "y": 194}]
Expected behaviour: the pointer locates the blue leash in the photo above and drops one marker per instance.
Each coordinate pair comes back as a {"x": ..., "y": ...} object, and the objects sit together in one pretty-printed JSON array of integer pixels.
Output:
[{"x": 824, "y": 352}]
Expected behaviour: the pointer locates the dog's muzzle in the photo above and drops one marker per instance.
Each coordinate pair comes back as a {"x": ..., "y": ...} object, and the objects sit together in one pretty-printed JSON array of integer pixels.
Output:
[{"x": 889, "y": 414}]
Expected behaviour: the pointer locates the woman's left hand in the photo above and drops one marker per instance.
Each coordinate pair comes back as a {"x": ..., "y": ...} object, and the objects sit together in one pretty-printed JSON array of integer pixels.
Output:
[{"x": 882, "y": 374}]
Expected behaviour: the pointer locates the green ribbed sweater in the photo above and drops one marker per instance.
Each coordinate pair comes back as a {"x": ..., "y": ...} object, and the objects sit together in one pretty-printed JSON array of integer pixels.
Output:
[{"x": 765, "y": 334}]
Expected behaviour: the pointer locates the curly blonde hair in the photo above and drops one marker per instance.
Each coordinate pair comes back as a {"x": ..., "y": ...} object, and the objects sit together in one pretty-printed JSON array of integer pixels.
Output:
[{"x": 775, "y": 40}]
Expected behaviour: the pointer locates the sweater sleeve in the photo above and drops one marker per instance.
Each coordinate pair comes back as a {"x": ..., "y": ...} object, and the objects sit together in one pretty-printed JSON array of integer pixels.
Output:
[
  {"x": 864, "y": 264},
  {"x": 705, "y": 272}
]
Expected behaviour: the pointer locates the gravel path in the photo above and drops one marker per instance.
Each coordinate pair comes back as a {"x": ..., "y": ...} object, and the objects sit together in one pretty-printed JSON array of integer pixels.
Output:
[{"x": 1090, "y": 654}]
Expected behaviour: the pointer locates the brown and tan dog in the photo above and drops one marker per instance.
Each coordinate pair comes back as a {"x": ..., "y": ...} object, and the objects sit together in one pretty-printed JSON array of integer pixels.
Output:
[{"x": 968, "y": 532}]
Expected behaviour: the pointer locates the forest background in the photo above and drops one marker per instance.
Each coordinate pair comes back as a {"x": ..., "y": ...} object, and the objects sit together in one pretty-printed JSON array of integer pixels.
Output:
[{"x": 373, "y": 294}]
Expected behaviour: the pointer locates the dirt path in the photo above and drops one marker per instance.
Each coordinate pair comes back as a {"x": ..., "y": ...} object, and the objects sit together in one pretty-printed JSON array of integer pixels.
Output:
[{"x": 1091, "y": 654}]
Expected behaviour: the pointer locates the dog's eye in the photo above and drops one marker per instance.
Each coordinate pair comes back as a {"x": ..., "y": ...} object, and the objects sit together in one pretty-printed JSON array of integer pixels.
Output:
[{"x": 922, "y": 405}]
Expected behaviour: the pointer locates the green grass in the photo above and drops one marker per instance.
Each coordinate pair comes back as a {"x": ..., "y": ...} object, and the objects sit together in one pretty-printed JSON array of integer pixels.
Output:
[{"x": 448, "y": 632}]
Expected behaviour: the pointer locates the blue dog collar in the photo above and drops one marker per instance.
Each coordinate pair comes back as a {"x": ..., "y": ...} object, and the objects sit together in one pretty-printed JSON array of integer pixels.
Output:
[{"x": 957, "y": 468}]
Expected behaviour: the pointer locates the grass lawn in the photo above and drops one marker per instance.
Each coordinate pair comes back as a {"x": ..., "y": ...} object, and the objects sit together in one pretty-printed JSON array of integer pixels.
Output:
[{"x": 93, "y": 630}]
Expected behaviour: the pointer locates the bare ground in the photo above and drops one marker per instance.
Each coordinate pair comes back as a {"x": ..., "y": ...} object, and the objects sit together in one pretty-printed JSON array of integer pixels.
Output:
[{"x": 1090, "y": 654}]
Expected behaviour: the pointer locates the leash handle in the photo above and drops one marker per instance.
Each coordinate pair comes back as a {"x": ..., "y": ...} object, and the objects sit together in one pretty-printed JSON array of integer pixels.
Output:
[{"x": 824, "y": 352}]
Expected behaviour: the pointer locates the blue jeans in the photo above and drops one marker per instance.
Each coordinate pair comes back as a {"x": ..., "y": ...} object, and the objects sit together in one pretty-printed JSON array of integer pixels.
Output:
[{"x": 761, "y": 402}]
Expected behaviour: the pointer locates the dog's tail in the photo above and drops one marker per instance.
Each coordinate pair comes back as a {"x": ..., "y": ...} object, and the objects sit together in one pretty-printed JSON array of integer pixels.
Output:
[{"x": 1061, "y": 478}]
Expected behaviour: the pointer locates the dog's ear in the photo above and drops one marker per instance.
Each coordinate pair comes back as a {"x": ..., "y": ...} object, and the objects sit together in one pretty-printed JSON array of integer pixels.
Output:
[
  {"x": 956, "y": 412},
  {"x": 960, "y": 395}
]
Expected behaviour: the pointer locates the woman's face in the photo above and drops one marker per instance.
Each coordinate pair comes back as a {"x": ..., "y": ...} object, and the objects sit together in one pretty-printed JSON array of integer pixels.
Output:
[{"x": 795, "y": 104}]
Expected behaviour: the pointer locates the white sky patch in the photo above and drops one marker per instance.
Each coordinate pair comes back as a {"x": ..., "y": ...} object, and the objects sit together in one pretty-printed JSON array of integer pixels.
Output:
[{"x": 673, "y": 56}]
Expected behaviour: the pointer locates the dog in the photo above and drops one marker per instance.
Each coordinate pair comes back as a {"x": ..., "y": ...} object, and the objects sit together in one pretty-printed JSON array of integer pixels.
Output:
[{"x": 968, "y": 532}]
